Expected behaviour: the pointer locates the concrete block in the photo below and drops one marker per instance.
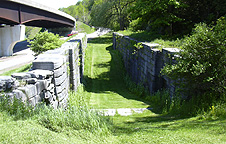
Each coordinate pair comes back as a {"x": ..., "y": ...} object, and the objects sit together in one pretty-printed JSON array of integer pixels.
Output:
[
  {"x": 7, "y": 83},
  {"x": 41, "y": 85},
  {"x": 54, "y": 104},
  {"x": 63, "y": 103},
  {"x": 32, "y": 101},
  {"x": 62, "y": 95},
  {"x": 38, "y": 99},
  {"x": 64, "y": 85}
]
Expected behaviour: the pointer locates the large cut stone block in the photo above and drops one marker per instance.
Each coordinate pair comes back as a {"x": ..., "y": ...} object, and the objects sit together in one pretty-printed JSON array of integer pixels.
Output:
[
  {"x": 32, "y": 101},
  {"x": 21, "y": 76},
  {"x": 61, "y": 79},
  {"x": 29, "y": 90},
  {"x": 41, "y": 85},
  {"x": 48, "y": 62},
  {"x": 40, "y": 74},
  {"x": 7, "y": 83},
  {"x": 60, "y": 71},
  {"x": 18, "y": 94}
]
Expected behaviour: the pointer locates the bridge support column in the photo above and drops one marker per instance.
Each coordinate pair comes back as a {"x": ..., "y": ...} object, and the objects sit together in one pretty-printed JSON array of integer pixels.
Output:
[{"x": 8, "y": 36}]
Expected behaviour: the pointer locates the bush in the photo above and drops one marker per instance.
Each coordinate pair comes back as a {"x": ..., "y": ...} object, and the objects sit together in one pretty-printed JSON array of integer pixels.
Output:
[
  {"x": 44, "y": 41},
  {"x": 201, "y": 65}
]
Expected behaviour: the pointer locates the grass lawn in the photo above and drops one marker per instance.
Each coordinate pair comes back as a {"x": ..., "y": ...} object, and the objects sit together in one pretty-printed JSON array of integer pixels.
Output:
[{"x": 104, "y": 77}]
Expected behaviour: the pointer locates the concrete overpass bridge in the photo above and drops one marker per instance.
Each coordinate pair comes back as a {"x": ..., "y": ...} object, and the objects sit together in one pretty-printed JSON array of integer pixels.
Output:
[{"x": 16, "y": 14}]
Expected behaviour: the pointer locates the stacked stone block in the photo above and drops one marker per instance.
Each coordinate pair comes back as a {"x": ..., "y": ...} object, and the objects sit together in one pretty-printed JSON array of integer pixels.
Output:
[
  {"x": 82, "y": 39},
  {"x": 57, "y": 64},
  {"x": 51, "y": 76},
  {"x": 144, "y": 61},
  {"x": 31, "y": 87}
]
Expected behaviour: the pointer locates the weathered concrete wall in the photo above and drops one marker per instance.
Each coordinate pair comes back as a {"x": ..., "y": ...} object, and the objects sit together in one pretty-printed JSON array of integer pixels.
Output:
[
  {"x": 144, "y": 61},
  {"x": 52, "y": 75}
]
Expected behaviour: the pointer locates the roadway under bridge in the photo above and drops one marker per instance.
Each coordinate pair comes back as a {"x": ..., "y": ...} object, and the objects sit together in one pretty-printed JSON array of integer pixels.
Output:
[{"x": 16, "y": 14}]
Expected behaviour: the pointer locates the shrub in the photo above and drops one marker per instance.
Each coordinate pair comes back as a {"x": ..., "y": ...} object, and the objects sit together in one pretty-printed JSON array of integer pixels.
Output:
[
  {"x": 201, "y": 65},
  {"x": 44, "y": 41}
]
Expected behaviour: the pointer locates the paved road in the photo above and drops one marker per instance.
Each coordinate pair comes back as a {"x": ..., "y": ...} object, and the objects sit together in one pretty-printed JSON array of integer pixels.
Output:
[{"x": 22, "y": 55}]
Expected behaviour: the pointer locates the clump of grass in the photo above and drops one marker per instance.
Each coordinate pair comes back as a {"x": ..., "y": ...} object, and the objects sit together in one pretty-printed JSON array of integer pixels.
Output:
[
  {"x": 78, "y": 116},
  {"x": 15, "y": 107},
  {"x": 134, "y": 88}
]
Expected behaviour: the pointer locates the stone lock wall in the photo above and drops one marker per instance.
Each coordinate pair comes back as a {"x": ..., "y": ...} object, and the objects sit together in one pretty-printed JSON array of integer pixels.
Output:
[
  {"x": 52, "y": 75},
  {"x": 144, "y": 61}
]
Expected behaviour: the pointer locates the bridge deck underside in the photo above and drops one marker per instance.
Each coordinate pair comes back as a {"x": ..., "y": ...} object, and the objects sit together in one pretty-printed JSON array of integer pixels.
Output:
[{"x": 13, "y": 13}]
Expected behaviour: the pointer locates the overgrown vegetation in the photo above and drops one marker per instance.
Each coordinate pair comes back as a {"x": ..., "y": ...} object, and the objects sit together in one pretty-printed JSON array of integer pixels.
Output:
[
  {"x": 199, "y": 70},
  {"x": 78, "y": 117},
  {"x": 30, "y": 32}
]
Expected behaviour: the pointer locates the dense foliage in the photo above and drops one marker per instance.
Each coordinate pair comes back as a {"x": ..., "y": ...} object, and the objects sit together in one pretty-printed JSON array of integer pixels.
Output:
[
  {"x": 168, "y": 17},
  {"x": 44, "y": 41},
  {"x": 200, "y": 67}
]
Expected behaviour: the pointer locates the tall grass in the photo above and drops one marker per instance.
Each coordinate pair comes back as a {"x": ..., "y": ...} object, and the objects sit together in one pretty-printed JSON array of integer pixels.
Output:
[{"x": 77, "y": 116}]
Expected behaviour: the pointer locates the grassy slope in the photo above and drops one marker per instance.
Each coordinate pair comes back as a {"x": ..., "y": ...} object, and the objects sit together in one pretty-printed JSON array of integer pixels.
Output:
[
  {"x": 107, "y": 90},
  {"x": 83, "y": 28}
]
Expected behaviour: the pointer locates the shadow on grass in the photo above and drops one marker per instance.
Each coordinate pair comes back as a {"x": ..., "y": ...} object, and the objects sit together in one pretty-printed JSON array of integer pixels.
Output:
[
  {"x": 111, "y": 80},
  {"x": 156, "y": 123}
]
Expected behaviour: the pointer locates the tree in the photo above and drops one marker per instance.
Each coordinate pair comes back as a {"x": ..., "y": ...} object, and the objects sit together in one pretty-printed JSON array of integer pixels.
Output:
[
  {"x": 157, "y": 14},
  {"x": 112, "y": 14}
]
